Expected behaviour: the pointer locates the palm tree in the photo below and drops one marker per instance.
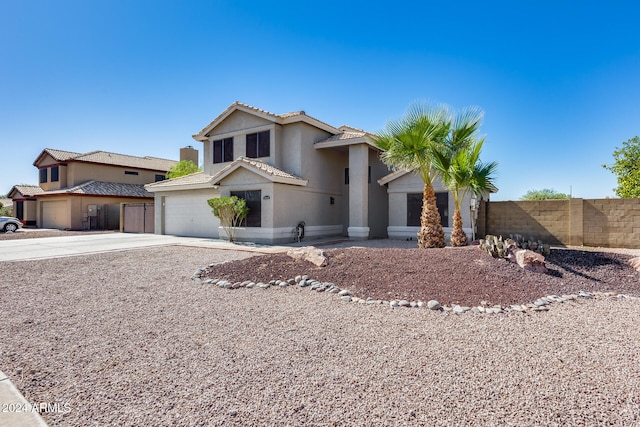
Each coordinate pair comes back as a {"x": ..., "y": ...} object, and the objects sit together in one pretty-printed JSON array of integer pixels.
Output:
[
  {"x": 462, "y": 171},
  {"x": 409, "y": 143}
]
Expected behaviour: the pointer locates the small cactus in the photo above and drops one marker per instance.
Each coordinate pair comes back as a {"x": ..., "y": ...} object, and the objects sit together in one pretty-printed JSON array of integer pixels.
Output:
[{"x": 503, "y": 248}]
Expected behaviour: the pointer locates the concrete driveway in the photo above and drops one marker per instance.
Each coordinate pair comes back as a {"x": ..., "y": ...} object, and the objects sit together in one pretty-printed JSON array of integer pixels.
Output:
[{"x": 55, "y": 247}]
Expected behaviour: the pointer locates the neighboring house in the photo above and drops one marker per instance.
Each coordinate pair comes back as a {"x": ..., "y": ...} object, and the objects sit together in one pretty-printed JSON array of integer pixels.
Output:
[
  {"x": 84, "y": 190},
  {"x": 24, "y": 202},
  {"x": 291, "y": 169}
]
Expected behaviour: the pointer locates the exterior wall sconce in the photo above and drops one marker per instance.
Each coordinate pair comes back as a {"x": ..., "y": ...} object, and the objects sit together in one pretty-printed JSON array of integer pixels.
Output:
[
  {"x": 332, "y": 201},
  {"x": 266, "y": 197}
]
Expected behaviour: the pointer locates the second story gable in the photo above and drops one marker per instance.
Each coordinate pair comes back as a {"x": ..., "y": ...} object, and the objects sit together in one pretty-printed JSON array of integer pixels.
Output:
[
  {"x": 284, "y": 141},
  {"x": 58, "y": 169}
]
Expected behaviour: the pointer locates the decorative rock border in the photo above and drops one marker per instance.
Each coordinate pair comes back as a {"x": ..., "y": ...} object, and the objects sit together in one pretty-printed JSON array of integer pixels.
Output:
[{"x": 304, "y": 281}]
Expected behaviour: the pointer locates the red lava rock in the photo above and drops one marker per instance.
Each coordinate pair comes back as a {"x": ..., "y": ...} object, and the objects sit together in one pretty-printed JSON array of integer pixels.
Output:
[{"x": 464, "y": 275}]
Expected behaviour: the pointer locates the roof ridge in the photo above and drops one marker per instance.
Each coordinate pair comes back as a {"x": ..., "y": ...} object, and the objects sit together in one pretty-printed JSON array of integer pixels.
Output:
[
  {"x": 242, "y": 104},
  {"x": 351, "y": 128}
]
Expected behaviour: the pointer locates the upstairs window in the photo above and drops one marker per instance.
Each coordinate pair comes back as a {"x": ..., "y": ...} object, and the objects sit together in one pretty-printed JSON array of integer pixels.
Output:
[
  {"x": 223, "y": 150},
  {"x": 43, "y": 175},
  {"x": 55, "y": 174},
  {"x": 130, "y": 172},
  {"x": 160, "y": 177},
  {"x": 258, "y": 144}
]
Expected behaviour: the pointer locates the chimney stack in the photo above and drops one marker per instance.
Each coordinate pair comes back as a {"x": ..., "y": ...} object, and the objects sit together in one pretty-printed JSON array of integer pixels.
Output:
[{"x": 189, "y": 153}]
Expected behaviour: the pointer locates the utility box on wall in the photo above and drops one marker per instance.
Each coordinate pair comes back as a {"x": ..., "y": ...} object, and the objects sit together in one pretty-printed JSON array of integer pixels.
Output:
[{"x": 92, "y": 210}]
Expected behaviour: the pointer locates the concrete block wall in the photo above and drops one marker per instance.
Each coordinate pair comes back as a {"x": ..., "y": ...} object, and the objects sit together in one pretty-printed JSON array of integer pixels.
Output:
[
  {"x": 575, "y": 222},
  {"x": 546, "y": 220},
  {"x": 612, "y": 223}
]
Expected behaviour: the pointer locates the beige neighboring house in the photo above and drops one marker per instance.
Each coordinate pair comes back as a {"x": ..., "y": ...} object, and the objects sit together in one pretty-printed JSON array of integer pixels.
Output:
[
  {"x": 293, "y": 169},
  {"x": 80, "y": 191},
  {"x": 24, "y": 202}
]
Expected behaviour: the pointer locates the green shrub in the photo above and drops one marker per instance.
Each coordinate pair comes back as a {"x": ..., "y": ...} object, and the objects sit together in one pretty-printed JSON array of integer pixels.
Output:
[{"x": 231, "y": 211}]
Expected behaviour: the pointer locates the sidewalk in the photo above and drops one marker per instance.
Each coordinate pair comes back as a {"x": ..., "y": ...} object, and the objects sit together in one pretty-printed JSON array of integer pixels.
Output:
[
  {"x": 15, "y": 411},
  {"x": 55, "y": 247}
]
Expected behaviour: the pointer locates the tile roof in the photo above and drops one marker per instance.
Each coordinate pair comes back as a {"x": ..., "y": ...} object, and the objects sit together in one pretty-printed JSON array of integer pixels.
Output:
[
  {"x": 263, "y": 168},
  {"x": 101, "y": 188},
  {"x": 61, "y": 155},
  {"x": 107, "y": 158},
  {"x": 345, "y": 128},
  {"x": 344, "y": 136},
  {"x": 393, "y": 176},
  {"x": 115, "y": 159},
  {"x": 191, "y": 179},
  {"x": 275, "y": 117},
  {"x": 28, "y": 190}
]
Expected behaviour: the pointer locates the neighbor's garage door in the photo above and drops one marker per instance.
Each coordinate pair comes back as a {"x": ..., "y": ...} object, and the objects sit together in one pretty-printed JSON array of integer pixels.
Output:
[
  {"x": 55, "y": 215},
  {"x": 189, "y": 216}
]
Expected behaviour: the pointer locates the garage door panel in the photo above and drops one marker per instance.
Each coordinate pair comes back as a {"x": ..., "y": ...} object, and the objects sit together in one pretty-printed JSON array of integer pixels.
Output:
[
  {"x": 55, "y": 215},
  {"x": 189, "y": 216}
]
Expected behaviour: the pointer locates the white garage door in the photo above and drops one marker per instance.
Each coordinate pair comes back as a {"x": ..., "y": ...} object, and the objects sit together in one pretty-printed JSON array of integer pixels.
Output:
[
  {"x": 54, "y": 214},
  {"x": 189, "y": 216}
]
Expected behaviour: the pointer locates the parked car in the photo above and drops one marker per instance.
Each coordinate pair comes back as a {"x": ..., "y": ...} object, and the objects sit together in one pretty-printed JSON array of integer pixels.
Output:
[{"x": 9, "y": 224}]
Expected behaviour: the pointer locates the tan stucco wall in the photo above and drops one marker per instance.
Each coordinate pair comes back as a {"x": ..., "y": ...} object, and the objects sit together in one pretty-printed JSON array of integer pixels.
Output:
[
  {"x": 298, "y": 153},
  {"x": 47, "y": 160},
  {"x": 324, "y": 168},
  {"x": 239, "y": 120},
  {"x": 378, "y": 198},
  {"x": 293, "y": 204},
  {"x": 79, "y": 173}
]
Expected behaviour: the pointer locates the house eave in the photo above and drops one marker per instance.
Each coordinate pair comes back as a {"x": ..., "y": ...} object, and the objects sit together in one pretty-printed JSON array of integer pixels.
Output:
[
  {"x": 393, "y": 176},
  {"x": 181, "y": 187},
  {"x": 273, "y": 178},
  {"x": 345, "y": 143},
  {"x": 310, "y": 121}
]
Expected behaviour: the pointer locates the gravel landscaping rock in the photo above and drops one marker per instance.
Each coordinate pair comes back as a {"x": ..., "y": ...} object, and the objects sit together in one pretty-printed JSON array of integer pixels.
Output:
[
  {"x": 463, "y": 276},
  {"x": 128, "y": 338}
]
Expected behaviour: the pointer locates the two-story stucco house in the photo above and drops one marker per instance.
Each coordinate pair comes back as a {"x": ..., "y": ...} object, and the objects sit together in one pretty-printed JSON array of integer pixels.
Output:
[
  {"x": 84, "y": 190},
  {"x": 293, "y": 168}
]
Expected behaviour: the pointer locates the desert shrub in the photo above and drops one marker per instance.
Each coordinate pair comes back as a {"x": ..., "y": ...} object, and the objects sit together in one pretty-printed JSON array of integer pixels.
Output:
[
  {"x": 231, "y": 211},
  {"x": 5, "y": 211},
  {"x": 504, "y": 248}
]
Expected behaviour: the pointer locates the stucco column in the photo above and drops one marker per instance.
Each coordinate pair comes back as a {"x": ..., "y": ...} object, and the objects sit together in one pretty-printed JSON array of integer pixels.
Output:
[{"x": 358, "y": 192}]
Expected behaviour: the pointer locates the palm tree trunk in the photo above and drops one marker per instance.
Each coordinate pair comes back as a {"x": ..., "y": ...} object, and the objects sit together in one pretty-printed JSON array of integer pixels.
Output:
[
  {"x": 458, "y": 236},
  {"x": 431, "y": 234}
]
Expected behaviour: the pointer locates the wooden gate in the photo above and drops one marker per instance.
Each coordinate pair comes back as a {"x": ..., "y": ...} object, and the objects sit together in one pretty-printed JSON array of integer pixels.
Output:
[{"x": 138, "y": 217}]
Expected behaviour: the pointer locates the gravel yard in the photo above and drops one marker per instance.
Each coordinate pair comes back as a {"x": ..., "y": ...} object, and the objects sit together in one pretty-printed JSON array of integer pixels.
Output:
[{"x": 127, "y": 338}]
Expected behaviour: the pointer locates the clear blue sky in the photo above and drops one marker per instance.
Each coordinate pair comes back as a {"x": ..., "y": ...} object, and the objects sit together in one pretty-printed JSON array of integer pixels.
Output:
[{"x": 559, "y": 80}]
